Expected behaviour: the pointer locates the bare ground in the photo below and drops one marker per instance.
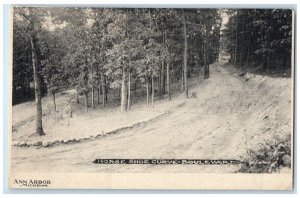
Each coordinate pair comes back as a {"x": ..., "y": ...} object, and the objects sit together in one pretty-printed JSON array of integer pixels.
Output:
[{"x": 229, "y": 117}]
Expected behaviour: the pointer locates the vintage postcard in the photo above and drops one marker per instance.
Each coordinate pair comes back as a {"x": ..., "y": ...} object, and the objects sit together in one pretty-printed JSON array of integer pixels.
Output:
[{"x": 151, "y": 98}]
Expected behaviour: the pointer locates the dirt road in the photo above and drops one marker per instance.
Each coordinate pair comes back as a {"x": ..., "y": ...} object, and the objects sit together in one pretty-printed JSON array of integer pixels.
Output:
[{"x": 214, "y": 125}]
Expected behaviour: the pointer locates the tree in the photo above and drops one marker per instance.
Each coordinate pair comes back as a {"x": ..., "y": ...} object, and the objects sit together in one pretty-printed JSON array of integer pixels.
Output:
[
  {"x": 125, "y": 50},
  {"x": 79, "y": 61},
  {"x": 121, "y": 49},
  {"x": 54, "y": 50},
  {"x": 34, "y": 18},
  {"x": 52, "y": 73},
  {"x": 22, "y": 62},
  {"x": 185, "y": 56},
  {"x": 261, "y": 38}
]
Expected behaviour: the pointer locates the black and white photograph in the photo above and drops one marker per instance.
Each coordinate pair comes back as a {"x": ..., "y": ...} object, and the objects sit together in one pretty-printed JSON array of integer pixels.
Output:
[{"x": 104, "y": 91}]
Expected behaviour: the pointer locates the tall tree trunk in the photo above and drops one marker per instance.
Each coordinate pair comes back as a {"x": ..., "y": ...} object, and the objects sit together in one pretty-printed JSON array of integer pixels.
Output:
[
  {"x": 114, "y": 94},
  {"x": 168, "y": 80},
  {"x": 129, "y": 90},
  {"x": 236, "y": 38},
  {"x": 123, "y": 91},
  {"x": 54, "y": 103},
  {"x": 147, "y": 90},
  {"x": 162, "y": 83},
  {"x": 93, "y": 105},
  {"x": 162, "y": 79},
  {"x": 43, "y": 86},
  {"x": 77, "y": 97},
  {"x": 248, "y": 51},
  {"x": 147, "y": 79},
  {"x": 150, "y": 86},
  {"x": 185, "y": 58},
  {"x": 86, "y": 94},
  {"x": 241, "y": 55},
  {"x": 182, "y": 79},
  {"x": 268, "y": 61},
  {"x": 103, "y": 90},
  {"x": 98, "y": 94},
  {"x": 106, "y": 91},
  {"x": 218, "y": 48},
  {"x": 159, "y": 85},
  {"x": 37, "y": 88},
  {"x": 103, "y": 95},
  {"x": 205, "y": 59},
  {"x": 135, "y": 87},
  {"x": 153, "y": 89}
]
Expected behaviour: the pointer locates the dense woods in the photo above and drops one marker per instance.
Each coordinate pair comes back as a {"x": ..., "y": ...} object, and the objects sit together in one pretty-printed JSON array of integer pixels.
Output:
[
  {"x": 97, "y": 51},
  {"x": 260, "y": 38}
]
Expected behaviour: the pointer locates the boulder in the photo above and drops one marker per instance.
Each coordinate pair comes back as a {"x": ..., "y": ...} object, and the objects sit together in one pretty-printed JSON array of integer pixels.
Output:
[
  {"x": 37, "y": 143},
  {"x": 66, "y": 141},
  {"x": 55, "y": 142},
  {"x": 45, "y": 143},
  {"x": 23, "y": 143},
  {"x": 286, "y": 160}
]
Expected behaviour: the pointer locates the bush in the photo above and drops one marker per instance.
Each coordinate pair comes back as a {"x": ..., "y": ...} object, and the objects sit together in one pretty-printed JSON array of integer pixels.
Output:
[{"x": 270, "y": 158}]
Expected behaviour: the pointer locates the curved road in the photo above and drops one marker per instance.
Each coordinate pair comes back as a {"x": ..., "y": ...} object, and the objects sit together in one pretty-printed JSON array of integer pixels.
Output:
[{"x": 207, "y": 127}]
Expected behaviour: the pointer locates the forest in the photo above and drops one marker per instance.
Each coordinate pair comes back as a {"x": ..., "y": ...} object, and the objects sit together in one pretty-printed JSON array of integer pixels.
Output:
[
  {"x": 97, "y": 51},
  {"x": 260, "y": 38}
]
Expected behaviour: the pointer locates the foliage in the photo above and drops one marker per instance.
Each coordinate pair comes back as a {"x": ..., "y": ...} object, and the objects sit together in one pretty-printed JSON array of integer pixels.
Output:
[
  {"x": 86, "y": 48},
  {"x": 260, "y": 37}
]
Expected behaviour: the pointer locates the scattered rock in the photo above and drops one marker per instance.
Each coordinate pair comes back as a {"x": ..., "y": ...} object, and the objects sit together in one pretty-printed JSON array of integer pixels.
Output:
[
  {"x": 66, "y": 141},
  {"x": 242, "y": 72},
  {"x": 194, "y": 95},
  {"x": 273, "y": 165},
  {"x": 248, "y": 76},
  {"x": 23, "y": 143},
  {"x": 286, "y": 160},
  {"x": 45, "y": 144},
  {"x": 266, "y": 117},
  {"x": 37, "y": 143},
  {"x": 86, "y": 137},
  {"x": 55, "y": 142},
  {"x": 28, "y": 144}
]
